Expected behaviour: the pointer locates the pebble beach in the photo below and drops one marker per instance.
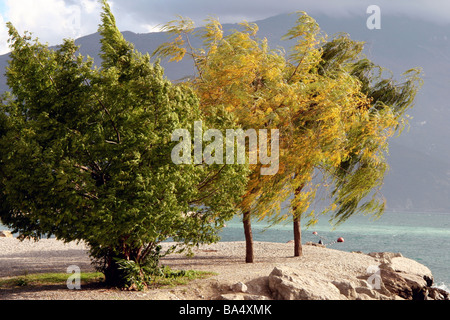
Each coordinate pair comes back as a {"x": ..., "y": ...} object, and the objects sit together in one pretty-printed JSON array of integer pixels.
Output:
[{"x": 225, "y": 259}]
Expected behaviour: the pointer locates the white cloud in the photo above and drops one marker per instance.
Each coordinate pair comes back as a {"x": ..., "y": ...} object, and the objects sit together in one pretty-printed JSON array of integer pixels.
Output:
[
  {"x": 50, "y": 20},
  {"x": 3, "y": 36}
]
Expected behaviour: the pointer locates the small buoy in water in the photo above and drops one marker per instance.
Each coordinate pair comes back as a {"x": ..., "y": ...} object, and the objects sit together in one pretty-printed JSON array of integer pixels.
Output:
[
  {"x": 340, "y": 239},
  {"x": 315, "y": 232}
]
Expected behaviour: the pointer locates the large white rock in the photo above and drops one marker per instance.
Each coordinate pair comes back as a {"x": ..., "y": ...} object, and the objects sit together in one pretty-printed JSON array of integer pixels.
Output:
[
  {"x": 287, "y": 283},
  {"x": 412, "y": 267},
  {"x": 398, "y": 278}
]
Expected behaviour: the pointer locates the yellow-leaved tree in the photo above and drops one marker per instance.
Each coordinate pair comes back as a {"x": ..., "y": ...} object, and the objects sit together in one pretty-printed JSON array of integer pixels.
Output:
[{"x": 334, "y": 112}]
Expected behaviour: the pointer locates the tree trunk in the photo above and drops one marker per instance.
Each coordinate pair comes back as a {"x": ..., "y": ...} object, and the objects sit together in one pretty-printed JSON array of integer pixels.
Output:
[
  {"x": 248, "y": 237},
  {"x": 114, "y": 277},
  {"x": 298, "y": 251}
]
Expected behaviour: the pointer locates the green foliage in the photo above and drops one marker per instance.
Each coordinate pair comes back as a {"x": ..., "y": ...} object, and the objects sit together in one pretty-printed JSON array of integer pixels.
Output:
[
  {"x": 86, "y": 152},
  {"x": 138, "y": 275},
  {"x": 179, "y": 277}
]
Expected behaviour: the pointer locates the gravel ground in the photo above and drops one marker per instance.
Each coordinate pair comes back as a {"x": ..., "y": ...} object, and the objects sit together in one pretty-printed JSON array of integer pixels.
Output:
[{"x": 224, "y": 258}]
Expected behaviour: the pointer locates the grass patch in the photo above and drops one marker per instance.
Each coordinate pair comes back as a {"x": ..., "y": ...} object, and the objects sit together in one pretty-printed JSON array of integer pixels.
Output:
[
  {"x": 170, "y": 279},
  {"x": 176, "y": 278},
  {"x": 45, "y": 279}
]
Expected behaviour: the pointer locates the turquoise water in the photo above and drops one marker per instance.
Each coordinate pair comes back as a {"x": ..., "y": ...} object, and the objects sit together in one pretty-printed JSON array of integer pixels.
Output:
[{"x": 424, "y": 237}]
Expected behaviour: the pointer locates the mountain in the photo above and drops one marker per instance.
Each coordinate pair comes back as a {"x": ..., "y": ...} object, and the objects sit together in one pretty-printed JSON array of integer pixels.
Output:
[{"x": 419, "y": 179}]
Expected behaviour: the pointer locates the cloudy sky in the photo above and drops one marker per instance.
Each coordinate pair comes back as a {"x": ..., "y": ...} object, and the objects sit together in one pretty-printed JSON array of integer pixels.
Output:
[{"x": 53, "y": 20}]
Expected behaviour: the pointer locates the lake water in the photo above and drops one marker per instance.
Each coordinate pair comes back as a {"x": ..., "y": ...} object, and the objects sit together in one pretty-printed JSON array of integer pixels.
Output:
[{"x": 424, "y": 237}]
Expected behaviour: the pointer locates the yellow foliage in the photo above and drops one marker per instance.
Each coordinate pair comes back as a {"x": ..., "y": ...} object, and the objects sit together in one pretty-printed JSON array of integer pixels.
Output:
[{"x": 324, "y": 119}]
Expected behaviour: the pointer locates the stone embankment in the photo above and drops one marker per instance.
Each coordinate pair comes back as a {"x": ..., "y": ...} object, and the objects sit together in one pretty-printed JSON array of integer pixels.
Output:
[{"x": 390, "y": 277}]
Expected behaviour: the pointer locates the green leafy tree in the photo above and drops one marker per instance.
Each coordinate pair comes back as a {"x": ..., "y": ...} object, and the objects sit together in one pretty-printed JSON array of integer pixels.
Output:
[{"x": 86, "y": 154}]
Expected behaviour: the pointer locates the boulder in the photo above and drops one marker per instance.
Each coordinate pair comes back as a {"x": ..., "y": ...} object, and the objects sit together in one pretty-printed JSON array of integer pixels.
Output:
[
  {"x": 286, "y": 283},
  {"x": 347, "y": 289},
  {"x": 399, "y": 278},
  {"x": 406, "y": 278},
  {"x": 410, "y": 267},
  {"x": 438, "y": 294},
  {"x": 239, "y": 287}
]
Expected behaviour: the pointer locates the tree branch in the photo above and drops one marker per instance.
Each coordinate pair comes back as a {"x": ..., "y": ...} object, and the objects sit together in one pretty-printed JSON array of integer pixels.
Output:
[
  {"x": 203, "y": 198},
  {"x": 205, "y": 182}
]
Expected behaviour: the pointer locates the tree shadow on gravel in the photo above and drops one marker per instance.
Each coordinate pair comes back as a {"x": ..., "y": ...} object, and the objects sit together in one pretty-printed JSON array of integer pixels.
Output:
[
  {"x": 49, "y": 291},
  {"x": 18, "y": 264}
]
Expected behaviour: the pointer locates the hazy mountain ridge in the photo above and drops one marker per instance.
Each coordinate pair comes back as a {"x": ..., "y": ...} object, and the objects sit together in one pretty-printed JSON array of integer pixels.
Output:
[{"x": 419, "y": 179}]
